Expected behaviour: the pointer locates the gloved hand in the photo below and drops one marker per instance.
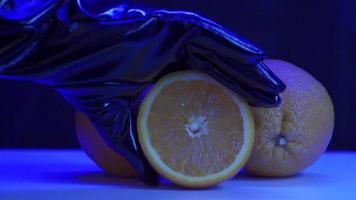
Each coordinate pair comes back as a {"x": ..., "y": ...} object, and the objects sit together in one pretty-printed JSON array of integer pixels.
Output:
[{"x": 102, "y": 56}]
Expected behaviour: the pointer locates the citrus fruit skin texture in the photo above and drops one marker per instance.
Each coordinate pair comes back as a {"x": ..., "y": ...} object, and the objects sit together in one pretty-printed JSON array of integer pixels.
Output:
[
  {"x": 294, "y": 135},
  {"x": 98, "y": 151},
  {"x": 194, "y": 131}
]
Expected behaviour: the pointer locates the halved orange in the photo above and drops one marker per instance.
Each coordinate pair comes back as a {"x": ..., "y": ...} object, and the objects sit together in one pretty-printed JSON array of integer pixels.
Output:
[{"x": 194, "y": 131}]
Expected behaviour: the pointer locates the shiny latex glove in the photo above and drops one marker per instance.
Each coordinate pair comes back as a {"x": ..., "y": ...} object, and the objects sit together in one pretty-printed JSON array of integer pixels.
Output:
[{"x": 103, "y": 55}]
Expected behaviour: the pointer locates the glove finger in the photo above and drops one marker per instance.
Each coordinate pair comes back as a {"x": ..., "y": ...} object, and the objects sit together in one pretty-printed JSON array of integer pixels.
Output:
[
  {"x": 123, "y": 139},
  {"x": 254, "y": 96},
  {"x": 245, "y": 68}
]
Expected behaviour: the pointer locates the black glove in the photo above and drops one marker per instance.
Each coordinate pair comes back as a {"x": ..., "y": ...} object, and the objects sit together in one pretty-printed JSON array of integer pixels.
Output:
[{"x": 101, "y": 58}]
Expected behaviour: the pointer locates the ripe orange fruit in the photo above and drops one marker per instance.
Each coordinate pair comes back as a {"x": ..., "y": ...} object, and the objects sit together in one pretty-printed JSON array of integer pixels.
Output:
[
  {"x": 194, "y": 131},
  {"x": 96, "y": 148},
  {"x": 292, "y": 136}
]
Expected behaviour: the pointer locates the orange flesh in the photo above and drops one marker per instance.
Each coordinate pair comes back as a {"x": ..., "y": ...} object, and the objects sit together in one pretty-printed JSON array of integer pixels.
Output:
[{"x": 192, "y": 124}]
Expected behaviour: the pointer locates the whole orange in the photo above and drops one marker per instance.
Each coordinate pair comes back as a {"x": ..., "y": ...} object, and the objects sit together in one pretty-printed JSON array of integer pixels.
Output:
[{"x": 294, "y": 135}]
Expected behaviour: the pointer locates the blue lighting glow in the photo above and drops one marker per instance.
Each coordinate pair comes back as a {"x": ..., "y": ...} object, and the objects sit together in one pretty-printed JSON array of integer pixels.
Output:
[
  {"x": 135, "y": 10},
  {"x": 37, "y": 174},
  {"x": 24, "y": 9},
  {"x": 115, "y": 12}
]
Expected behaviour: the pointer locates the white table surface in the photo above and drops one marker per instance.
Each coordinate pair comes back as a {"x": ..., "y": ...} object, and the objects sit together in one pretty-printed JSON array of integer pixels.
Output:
[{"x": 69, "y": 174}]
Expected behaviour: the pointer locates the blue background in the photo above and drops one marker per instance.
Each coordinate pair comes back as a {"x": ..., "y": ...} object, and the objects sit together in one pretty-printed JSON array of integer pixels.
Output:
[{"x": 319, "y": 36}]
